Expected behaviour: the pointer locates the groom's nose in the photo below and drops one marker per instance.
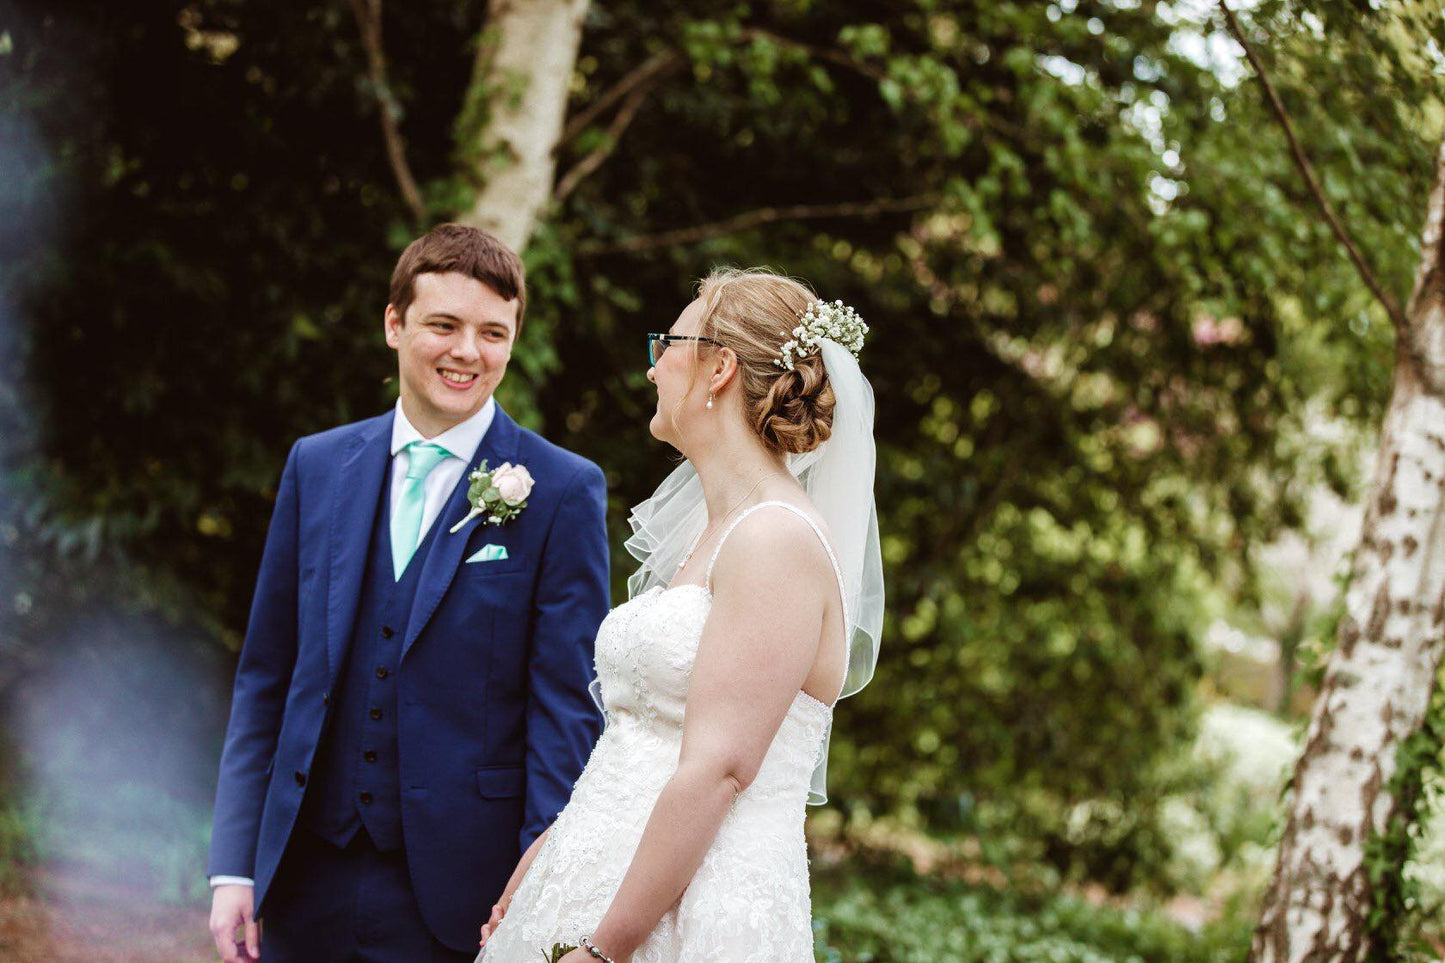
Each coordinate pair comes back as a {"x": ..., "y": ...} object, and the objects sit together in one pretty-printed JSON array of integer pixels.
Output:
[{"x": 466, "y": 346}]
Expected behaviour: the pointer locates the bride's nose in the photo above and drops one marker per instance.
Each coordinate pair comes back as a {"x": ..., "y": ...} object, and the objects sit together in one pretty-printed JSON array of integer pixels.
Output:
[{"x": 652, "y": 375}]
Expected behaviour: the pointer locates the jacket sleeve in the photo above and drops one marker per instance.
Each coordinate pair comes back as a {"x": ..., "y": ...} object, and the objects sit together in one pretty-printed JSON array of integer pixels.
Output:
[
  {"x": 563, "y": 722},
  {"x": 258, "y": 699}
]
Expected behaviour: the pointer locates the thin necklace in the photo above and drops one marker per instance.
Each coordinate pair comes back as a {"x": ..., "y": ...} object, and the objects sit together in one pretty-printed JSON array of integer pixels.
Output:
[{"x": 706, "y": 532}]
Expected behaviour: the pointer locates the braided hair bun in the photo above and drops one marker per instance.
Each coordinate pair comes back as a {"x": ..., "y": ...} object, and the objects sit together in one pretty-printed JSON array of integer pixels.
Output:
[{"x": 796, "y": 413}]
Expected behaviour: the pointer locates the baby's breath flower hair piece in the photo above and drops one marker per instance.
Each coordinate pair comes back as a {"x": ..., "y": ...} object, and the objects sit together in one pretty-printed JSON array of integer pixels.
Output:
[{"x": 835, "y": 322}]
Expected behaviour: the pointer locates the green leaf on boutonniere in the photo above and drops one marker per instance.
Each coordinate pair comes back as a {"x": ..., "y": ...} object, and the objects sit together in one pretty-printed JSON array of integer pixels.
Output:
[
  {"x": 485, "y": 497},
  {"x": 559, "y": 950}
]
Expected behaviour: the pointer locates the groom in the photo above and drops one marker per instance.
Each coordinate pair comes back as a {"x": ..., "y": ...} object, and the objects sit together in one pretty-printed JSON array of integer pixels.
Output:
[{"x": 411, "y": 707}]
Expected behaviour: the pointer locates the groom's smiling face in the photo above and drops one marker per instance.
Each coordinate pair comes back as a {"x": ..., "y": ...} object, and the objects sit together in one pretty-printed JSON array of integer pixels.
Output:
[{"x": 452, "y": 348}]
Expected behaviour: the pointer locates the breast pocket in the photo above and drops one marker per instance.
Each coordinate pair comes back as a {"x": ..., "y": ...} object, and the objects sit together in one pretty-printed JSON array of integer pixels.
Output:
[{"x": 502, "y": 566}]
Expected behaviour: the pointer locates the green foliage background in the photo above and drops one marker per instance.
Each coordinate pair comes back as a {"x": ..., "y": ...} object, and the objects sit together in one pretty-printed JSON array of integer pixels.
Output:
[{"x": 1105, "y": 330}]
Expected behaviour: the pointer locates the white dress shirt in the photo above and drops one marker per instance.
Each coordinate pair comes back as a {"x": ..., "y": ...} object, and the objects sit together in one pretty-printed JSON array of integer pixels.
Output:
[{"x": 462, "y": 441}]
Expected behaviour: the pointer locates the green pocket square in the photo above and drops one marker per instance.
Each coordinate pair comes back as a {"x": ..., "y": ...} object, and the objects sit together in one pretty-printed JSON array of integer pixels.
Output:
[{"x": 489, "y": 553}]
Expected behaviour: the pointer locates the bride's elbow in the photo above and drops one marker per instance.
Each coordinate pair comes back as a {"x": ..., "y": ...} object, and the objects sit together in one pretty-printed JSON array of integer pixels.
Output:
[
  {"x": 732, "y": 775},
  {"x": 739, "y": 772},
  {"x": 738, "y": 782}
]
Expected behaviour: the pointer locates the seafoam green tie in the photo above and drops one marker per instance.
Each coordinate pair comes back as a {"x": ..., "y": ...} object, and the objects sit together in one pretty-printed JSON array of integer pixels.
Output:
[{"x": 406, "y": 520}]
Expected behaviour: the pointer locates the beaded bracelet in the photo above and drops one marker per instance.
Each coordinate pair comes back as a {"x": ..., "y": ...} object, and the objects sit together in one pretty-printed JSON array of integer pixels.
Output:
[{"x": 591, "y": 947}]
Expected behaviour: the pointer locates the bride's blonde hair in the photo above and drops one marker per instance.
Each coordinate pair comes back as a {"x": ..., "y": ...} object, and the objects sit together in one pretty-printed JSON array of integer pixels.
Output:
[{"x": 753, "y": 311}]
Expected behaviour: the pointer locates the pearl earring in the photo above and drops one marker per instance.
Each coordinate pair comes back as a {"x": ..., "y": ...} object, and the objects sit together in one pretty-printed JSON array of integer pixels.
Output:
[{"x": 709, "y": 400}]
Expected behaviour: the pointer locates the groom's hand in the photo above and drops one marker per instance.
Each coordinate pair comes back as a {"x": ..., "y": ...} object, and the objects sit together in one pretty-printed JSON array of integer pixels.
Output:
[{"x": 232, "y": 908}]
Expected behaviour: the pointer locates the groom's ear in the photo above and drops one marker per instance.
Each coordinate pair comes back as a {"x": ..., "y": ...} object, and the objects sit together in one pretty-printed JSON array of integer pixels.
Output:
[{"x": 392, "y": 322}]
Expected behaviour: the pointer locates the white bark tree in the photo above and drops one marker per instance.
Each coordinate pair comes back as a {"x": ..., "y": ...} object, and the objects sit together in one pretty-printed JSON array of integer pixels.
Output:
[
  {"x": 1382, "y": 675},
  {"x": 519, "y": 86}
]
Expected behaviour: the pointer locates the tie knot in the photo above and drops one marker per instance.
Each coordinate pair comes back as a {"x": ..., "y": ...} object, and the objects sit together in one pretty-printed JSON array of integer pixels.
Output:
[{"x": 424, "y": 457}]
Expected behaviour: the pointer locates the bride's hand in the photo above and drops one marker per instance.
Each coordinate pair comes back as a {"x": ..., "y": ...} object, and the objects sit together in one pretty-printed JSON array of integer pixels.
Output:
[{"x": 498, "y": 911}]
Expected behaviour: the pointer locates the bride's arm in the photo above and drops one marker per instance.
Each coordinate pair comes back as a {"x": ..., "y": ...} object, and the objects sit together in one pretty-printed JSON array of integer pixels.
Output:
[
  {"x": 771, "y": 586},
  {"x": 505, "y": 900},
  {"x": 522, "y": 866}
]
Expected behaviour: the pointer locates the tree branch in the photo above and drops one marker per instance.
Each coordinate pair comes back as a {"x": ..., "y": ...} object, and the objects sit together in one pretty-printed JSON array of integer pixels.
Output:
[
  {"x": 647, "y": 73},
  {"x": 592, "y": 161},
  {"x": 759, "y": 217},
  {"x": 1392, "y": 308},
  {"x": 822, "y": 53},
  {"x": 667, "y": 61},
  {"x": 640, "y": 81},
  {"x": 368, "y": 24}
]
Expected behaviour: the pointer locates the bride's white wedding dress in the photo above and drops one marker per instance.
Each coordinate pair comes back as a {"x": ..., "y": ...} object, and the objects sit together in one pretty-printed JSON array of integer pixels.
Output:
[{"x": 749, "y": 901}]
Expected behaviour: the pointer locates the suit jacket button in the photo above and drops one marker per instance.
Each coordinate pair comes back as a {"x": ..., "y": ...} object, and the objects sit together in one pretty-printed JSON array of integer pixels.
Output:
[
  {"x": 387, "y": 631},
  {"x": 376, "y": 714},
  {"x": 366, "y": 798},
  {"x": 381, "y": 672},
  {"x": 300, "y": 778},
  {"x": 369, "y": 755},
  {"x": 326, "y": 698}
]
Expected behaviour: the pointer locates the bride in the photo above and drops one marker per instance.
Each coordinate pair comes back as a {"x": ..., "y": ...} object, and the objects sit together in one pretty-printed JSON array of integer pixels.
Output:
[{"x": 757, "y": 606}]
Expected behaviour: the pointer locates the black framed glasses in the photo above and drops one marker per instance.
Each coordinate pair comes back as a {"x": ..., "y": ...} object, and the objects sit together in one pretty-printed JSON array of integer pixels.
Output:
[{"x": 657, "y": 344}]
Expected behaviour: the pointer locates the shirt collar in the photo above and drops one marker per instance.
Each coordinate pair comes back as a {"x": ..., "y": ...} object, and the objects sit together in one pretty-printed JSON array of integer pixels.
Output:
[{"x": 461, "y": 440}]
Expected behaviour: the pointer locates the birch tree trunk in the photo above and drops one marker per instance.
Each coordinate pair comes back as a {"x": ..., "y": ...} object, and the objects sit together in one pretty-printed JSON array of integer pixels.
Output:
[
  {"x": 1383, "y": 672},
  {"x": 519, "y": 96}
]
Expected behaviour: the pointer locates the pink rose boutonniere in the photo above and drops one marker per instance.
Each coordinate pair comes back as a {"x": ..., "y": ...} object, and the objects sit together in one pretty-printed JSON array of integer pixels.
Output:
[{"x": 498, "y": 496}]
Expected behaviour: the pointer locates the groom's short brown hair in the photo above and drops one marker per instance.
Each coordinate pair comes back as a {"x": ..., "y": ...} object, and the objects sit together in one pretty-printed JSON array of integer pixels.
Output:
[{"x": 465, "y": 250}]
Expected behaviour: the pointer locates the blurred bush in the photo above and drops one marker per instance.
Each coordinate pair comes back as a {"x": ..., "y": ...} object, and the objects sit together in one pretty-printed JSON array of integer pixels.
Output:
[
  {"x": 20, "y": 845},
  {"x": 885, "y": 914}
]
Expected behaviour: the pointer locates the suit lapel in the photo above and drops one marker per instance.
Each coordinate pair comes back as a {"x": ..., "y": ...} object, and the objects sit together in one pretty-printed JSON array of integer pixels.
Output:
[
  {"x": 498, "y": 445},
  {"x": 354, "y": 494}
]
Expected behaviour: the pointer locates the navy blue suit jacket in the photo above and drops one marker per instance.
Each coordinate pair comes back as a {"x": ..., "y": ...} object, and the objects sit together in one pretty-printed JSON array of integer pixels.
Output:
[{"x": 494, "y": 717}]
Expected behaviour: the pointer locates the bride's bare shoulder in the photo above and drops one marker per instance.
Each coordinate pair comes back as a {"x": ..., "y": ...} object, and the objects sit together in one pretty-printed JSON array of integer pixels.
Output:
[{"x": 775, "y": 543}]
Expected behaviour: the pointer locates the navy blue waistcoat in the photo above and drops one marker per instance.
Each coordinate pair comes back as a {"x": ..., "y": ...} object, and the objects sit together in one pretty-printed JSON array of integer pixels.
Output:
[{"x": 359, "y": 781}]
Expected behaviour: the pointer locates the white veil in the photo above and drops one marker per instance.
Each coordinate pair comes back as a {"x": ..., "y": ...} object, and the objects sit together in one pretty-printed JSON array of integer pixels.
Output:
[{"x": 838, "y": 477}]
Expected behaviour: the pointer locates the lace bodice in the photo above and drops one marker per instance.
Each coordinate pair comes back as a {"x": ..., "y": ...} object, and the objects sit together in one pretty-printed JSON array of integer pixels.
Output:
[
  {"x": 645, "y": 653},
  {"x": 749, "y": 900}
]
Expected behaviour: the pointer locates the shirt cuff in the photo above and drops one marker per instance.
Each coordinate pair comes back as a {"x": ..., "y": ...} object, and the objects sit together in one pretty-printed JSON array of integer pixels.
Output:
[{"x": 231, "y": 881}]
